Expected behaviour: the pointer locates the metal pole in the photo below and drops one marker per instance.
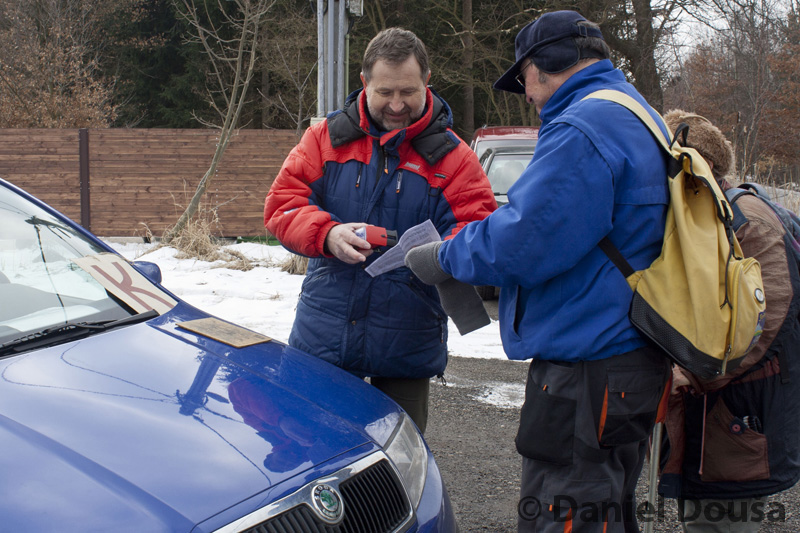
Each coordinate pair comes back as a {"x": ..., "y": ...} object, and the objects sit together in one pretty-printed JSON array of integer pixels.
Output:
[
  {"x": 320, "y": 58},
  {"x": 340, "y": 70},
  {"x": 346, "y": 65},
  {"x": 329, "y": 82},
  {"x": 655, "y": 459}
]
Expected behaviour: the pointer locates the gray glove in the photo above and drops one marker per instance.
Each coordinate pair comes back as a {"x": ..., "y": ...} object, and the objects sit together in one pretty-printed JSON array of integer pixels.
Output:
[
  {"x": 459, "y": 300},
  {"x": 423, "y": 261},
  {"x": 462, "y": 304}
]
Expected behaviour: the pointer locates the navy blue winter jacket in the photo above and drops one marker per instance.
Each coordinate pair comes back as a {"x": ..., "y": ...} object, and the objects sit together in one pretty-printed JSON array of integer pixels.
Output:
[{"x": 344, "y": 170}]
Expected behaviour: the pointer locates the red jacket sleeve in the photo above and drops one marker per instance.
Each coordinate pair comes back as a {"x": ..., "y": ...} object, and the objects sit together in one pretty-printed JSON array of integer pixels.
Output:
[
  {"x": 469, "y": 192},
  {"x": 290, "y": 213}
]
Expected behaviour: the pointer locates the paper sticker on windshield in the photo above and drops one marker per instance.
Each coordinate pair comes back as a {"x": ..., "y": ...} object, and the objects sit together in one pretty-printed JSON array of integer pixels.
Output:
[
  {"x": 118, "y": 277},
  {"x": 222, "y": 331}
]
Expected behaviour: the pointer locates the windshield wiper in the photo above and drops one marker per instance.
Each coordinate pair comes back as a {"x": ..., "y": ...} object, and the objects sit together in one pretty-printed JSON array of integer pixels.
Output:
[{"x": 69, "y": 331}]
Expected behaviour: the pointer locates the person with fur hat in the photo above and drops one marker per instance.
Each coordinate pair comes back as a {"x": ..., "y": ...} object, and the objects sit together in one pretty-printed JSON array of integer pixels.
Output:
[
  {"x": 594, "y": 384},
  {"x": 708, "y": 140},
  {"x": 734, "y": 440}
]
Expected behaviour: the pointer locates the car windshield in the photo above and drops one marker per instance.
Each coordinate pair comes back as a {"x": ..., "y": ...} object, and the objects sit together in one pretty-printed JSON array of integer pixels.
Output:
[
  {"x": 41, "y": 285},
  {"x": 504, "y": 170}
]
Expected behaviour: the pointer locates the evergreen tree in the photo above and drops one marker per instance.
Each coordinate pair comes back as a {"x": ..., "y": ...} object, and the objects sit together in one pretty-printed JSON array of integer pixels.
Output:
[{"x": 160, "y": 77}]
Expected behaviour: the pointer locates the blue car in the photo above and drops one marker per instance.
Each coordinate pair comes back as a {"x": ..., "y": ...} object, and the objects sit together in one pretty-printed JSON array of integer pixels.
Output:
[{"x": 123, "y": 408}]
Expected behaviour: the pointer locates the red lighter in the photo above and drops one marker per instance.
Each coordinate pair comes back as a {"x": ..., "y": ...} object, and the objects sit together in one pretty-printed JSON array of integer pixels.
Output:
[{"x": 377, "y": 236}]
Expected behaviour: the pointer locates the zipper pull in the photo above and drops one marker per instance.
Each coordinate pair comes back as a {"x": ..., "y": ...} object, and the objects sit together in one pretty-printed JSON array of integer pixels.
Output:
[
  {"x": 358, "y": 179},
  {"x": 399, "y": 179}
]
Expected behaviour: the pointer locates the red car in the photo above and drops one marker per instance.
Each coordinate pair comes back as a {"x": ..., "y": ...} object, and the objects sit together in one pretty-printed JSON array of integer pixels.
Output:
[{"x": 495, "y": 136}]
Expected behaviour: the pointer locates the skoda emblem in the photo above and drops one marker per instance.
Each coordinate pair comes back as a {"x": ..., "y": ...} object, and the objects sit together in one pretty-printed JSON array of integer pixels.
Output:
[{"x": 328, "y": 503}]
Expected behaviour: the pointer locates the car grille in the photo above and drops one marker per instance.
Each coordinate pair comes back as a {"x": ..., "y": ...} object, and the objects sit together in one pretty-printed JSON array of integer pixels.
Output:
[{"x": 374, "y": 502}]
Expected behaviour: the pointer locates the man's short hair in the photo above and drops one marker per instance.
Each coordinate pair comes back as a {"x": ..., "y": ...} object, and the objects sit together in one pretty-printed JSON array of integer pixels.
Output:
[{"x": 394, "y": 46}]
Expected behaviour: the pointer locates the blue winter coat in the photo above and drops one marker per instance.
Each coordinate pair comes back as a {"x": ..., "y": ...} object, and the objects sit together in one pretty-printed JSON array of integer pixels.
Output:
[
  {"x": 344, "y": 170},
  {"x": 597, "y": 171}
]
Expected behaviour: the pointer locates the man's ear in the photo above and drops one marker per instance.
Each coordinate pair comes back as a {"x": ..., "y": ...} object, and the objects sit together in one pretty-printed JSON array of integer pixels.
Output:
[
  {"x": 428, "y": 78},
  {"x": 363, "y": 81}
]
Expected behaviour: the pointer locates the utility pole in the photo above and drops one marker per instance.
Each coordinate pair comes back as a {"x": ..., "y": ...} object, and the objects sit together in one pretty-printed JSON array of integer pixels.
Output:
[{"x": 332, "y": 26}]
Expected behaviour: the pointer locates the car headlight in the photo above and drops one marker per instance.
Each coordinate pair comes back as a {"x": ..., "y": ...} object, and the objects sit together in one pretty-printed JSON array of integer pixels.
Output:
[{"x": 409, "y": 455}]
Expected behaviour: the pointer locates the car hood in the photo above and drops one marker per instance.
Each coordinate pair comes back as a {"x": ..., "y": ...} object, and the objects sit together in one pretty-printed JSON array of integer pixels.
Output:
[{"x": 151, "y": 428}]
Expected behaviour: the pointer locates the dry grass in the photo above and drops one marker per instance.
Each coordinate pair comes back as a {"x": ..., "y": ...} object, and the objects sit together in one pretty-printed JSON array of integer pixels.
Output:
[
  {"x": 196, "y": 241},
  {"x": 295, "y": 264}
]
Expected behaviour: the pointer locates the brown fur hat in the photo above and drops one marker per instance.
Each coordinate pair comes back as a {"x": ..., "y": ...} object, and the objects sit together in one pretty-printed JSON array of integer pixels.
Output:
[{"x": 704, "y": 137}]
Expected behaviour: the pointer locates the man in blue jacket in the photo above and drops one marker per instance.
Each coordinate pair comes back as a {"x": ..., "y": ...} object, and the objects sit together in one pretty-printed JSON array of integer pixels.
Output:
[{"x": 594, "y": 385}]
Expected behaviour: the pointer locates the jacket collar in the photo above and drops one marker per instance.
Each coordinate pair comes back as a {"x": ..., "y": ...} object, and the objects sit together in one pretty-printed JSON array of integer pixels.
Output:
[
  {"x": 579, "y": 85},
  {"x": 429, "y": 135}
]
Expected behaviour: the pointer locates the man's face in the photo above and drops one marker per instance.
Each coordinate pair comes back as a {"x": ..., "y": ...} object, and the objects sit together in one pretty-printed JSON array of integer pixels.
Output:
[
  {"x": 539, "y": 87},
  {"x": 395, "y": 93}
]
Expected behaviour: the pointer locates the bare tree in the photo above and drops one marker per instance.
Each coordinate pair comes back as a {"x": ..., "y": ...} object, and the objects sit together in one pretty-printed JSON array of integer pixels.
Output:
[
  {"x": 288, "y": 65},
  {"x": 231, "y": 45},
  {"x": 738, "y": 78},
  {"x": 49, "y": 75},
  {"x": 782, "y": 134}
]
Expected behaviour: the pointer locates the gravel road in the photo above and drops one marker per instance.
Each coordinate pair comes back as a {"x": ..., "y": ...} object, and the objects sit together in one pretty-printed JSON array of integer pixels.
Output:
[{"x": 473, "y": 441}]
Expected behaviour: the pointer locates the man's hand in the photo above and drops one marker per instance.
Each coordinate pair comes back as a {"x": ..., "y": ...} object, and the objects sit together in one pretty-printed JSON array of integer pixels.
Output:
[{"x": 343, "y": 244}]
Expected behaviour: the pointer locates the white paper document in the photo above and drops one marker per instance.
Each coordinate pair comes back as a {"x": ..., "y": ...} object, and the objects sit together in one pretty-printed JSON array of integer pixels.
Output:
[{"x": 395, "y": 257}]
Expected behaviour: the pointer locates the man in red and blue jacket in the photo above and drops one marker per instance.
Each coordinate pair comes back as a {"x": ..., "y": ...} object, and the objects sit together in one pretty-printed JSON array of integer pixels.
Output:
[{"x": 389, "y": 158}]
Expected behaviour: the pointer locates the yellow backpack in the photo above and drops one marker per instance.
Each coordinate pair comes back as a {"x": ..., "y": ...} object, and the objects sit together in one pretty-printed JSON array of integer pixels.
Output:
[{"x": 701, "y": 301}]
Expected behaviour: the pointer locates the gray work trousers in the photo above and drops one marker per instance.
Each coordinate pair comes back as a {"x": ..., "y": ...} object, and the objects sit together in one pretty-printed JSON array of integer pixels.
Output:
[{"x": 584, "y": 429}]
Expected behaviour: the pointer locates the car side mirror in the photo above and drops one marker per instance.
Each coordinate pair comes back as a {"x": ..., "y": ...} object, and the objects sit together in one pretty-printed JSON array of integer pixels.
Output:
[{"x": 150, "y": 270}]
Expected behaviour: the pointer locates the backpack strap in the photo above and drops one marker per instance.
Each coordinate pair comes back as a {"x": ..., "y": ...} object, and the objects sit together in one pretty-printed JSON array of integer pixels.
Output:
[
  {"x": 616, "y": 257},
  {"x": 757, "y": 188},
  {"x": 637, "y": 109},
  {"x": 732, "y": 195},
  {"x": 674, "y": 164}
]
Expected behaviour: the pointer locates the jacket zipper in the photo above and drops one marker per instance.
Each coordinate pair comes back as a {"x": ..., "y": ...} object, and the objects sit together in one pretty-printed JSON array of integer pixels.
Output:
[{"x": 384, "y": 163}]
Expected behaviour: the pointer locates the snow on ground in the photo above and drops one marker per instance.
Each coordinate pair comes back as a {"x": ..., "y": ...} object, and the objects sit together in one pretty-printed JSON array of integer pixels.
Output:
[{"x": 263, "y": 299}]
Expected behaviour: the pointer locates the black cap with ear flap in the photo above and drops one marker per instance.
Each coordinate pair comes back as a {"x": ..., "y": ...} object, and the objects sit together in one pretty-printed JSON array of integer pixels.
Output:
[
  {"x": 560, "y": 55},
  {"x": 549, "y": 42}
]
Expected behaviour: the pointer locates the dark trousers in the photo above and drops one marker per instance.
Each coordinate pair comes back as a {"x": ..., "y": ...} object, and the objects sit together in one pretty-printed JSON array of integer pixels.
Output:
[
  {"x": 410, "y": 394},
  {"x": 583, "y": 435}
]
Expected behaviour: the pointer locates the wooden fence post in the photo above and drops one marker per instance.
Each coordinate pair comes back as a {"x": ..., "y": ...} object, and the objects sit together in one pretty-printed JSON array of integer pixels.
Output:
[{"x": 83, "y": 150}]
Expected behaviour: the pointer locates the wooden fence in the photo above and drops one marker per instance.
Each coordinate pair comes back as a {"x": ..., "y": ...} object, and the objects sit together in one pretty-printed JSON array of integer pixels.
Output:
[{"x": 128, "y": 182}]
